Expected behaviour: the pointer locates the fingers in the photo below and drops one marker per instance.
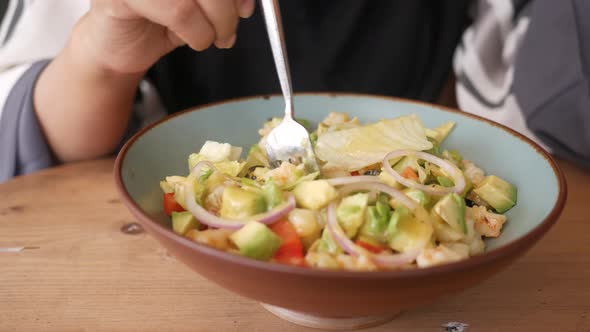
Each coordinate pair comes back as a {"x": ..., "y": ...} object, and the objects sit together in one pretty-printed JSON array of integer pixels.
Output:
[
  {"x": 245, "y": 7},
  {"x": 183, "y": 18},
  {"x": 198, "y": 23},
  {"x": 223, "y": 15}
]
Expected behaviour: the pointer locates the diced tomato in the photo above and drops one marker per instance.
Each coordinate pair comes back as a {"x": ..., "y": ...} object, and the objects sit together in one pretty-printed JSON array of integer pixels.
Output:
[
  {"x": 410, "y": 173},
  {"x": 170, "y": 204},
  {"x": 355, "y": 173},
  {"x": 291, "y": 251},
  {"x": 369, "y": 246}
]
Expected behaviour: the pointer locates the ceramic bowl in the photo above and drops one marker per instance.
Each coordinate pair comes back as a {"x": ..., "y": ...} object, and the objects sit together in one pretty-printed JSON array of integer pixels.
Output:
[{"x": 338, "y": 298}]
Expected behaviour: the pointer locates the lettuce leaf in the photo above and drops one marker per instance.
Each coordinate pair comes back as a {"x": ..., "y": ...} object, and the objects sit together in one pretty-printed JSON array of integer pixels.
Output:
[{"x": 355, "y": 148}]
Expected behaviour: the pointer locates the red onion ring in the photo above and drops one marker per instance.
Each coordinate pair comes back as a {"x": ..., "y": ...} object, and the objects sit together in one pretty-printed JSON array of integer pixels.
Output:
[
  {"x": 341, "y": 181},
  {"x": 447, "y": 166},
  {"x": 212, "y": 220}
]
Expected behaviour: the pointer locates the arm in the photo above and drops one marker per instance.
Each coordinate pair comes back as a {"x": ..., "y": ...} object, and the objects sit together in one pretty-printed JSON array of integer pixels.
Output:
[
  {"x": 77, "y": 105},
  {"x": 85, "y": 96},
  {"x": 83, "y": 109}
]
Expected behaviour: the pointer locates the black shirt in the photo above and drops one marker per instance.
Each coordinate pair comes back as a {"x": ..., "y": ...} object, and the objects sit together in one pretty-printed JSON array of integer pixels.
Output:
[{"x": 398, "y": 48}]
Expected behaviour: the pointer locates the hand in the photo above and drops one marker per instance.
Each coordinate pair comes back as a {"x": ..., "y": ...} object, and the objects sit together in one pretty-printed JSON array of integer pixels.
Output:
[{"x": 129, "y": 36}]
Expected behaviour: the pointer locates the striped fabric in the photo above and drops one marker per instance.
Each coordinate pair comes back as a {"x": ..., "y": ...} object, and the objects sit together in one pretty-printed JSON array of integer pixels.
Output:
[
  {"x": 10, "y": 12},
  {"x": 484, "y": 62},
  {"x": 32, "y": 31}
]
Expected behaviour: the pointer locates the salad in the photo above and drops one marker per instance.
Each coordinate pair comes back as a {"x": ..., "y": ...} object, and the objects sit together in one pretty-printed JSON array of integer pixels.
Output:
[{"x": 388, "y": 197}]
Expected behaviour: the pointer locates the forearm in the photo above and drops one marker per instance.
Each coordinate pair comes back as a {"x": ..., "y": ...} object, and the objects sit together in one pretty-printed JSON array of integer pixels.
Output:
[{"x": 83, "y": 108}]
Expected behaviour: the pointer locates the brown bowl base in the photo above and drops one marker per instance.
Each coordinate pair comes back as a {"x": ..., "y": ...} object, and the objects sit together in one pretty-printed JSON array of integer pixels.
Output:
[{"x": 328, "y": 323}]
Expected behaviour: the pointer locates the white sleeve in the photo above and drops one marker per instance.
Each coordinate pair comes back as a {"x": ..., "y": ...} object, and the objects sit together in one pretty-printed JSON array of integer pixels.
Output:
[
  {"x": 484, "y": 63},
  {"x": 31, "y": 31}
]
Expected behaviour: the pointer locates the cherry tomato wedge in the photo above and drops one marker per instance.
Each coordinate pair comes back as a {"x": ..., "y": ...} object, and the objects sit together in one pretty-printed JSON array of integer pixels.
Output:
[
  {"x": 170, "y": 204},
  {"x": 410, "y": 173},
  {"x": 291, "y": 251}
]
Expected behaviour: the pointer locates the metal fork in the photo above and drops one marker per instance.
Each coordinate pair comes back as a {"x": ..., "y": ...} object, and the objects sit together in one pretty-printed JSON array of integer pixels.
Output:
[{"x": 289, "y": 141}]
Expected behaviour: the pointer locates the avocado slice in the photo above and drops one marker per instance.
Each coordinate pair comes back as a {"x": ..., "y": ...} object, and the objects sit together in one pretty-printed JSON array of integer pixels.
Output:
[
  {"x": 419, "y": 197},
  {"x": 406, "y": 232},
  {"x": 256, "y": 240},
  {"x": 306, "y": 225},
  {"x": 314, "y": 195},
  {"x": 445, "y": 181},
  {"x": 351, "y": 213},
  {"x": 401, "y": 212},
  {"x": 451, "y": 208},
  {"x": 498, "y": 193},
  {"x": 272, "y": 194},
  {"x": 184, "y": 221},
  {"x": 377, "y": 220},
  {"x": 444, "y": 232},
  {"x": 327, "y": 243},
  {"x": 237, "y": 203}
]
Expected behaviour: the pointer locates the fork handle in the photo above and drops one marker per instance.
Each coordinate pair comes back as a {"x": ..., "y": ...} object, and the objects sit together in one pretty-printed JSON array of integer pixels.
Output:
[{"x": 274, "y": 27}]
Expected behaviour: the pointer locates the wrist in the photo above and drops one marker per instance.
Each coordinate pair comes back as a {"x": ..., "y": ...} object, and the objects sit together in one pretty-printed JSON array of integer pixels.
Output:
[{"x": 81, "y": 52}]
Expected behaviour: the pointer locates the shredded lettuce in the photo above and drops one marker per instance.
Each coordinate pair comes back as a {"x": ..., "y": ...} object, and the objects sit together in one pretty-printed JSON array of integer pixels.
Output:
[
  {"x": 355, "y": 148},
  {"x": 440, "y": 133}
]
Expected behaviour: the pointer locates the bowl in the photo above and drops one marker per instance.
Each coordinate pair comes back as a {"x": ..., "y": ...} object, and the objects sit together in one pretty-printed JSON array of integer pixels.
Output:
[{"x": 338, "y": 299}]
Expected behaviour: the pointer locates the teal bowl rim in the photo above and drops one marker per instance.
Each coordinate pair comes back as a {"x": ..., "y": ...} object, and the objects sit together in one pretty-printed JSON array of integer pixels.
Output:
[{"x": 513, "y": 249}]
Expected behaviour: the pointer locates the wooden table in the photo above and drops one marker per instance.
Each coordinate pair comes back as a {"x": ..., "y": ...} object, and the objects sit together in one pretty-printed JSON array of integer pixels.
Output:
[{"x": 87, "y": 275}]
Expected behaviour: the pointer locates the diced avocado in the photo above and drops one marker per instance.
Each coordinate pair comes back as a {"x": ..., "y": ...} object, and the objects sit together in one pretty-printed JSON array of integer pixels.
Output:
[
  {"x": 182, "y": 222},
  {"x": 351, "y": 213},
  {"x": 409, "y": 233},
  {"x": 237, "y": 203},
  {"x": 377, "y": 220},
  {"x": 445, "y": 181},
  {"x": 499, "y": 194},
  {"x": 328, "y": 244},
  {"x": 257, "y": 241},
  {"x": 401, "y": 212},
  {"x": 272, "y": 194},
  {"x": 451, "y": 208},
  {"x": 314, "y": 195},
  {"x": 306, "y": 225},
  {"x": 419, "y": 197},
  {"x": 214, "y": 180},
  {"x": 444, "y": 232}
]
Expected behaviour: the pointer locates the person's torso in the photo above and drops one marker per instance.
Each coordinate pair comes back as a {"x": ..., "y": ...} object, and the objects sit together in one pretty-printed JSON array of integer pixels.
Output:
[{"x": 386, "y": 47}]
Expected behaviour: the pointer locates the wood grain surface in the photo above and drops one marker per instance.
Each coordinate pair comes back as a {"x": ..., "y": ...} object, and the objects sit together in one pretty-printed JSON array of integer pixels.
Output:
[{"x": 87, "y": 275}]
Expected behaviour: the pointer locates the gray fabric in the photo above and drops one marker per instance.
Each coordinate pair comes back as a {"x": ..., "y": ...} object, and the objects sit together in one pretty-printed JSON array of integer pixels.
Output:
[
  {"x": 23, "y": 147},
  {"x": 551, "y": 77}
]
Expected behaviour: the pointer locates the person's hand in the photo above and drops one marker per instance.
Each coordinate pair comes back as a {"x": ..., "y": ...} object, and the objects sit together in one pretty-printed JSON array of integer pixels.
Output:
[{"x": 129, "y": 36}]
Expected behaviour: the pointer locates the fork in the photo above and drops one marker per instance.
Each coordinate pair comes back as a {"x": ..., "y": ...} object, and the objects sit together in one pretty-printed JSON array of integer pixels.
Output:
[{"x": 289, "y": 141}]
